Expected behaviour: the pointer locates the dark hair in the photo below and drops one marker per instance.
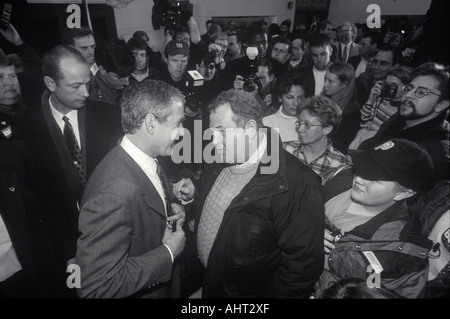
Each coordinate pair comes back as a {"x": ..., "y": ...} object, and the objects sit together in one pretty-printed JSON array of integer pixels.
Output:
[
  {"x": 274, "y": 28},
  {"x": 323, "y": 24},
  {"x": 439, "y": 71},
  {"x": 75, "y": 33},
  {"x": 397, "y": 55},
  {"x": 286, "y": 22},
  {"x": 252, "y": 32},
  {"x": 115, "y": 56},
  {"x": 139, "y": 34},
  {"x": 51, "y": 62},
  {"x": 5, "y": 61},
  {"x": 284, "y": 40},
  {"x": 357, "y": 289},
  {"x": 299, "y": 38},
  {"x": 375, "y": 38},
  {"x": 325, "y": 109},
  {"x": 138, "y": 44},
  {"x": 289, "y": 80},
  {"x": 146, "y": 97},
  {"x": 243, "y": 104},
  {"x": 218, "y": 36},
  {"x": 319, "y": 40}
]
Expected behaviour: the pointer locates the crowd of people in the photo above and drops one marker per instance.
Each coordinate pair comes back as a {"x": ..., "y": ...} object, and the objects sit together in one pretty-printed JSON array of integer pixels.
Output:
[{"x": 329, "y": 178}]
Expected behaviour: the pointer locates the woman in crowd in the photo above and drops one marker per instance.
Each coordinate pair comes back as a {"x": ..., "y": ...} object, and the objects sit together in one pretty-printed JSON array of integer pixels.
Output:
[
  {"x": 339, "y": 86},
  {"x": 291, "y": 92},
  {"x": 384, "y": 100},
  {"x": 318, "y": 116}
]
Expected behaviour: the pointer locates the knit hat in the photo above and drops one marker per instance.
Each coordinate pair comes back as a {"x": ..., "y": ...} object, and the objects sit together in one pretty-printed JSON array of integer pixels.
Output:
[
  {"x": 175, "y": 47},
  {"x": 397, "y": 160}
]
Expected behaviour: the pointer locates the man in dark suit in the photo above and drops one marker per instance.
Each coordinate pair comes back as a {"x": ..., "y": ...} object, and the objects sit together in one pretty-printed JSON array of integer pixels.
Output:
[
  {"x": 131, "y": 227},
  {"x": 368, "y": 46},
  {"x": 30, "y": 266},
  {"x": 68, "y": 136}
]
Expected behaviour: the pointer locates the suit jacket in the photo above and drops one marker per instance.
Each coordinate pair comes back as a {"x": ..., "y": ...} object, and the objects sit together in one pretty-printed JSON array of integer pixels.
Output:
[
  {"x": 354, "y": 61},
  {"x": 354, "y": 51},
  {"x": 122, "y": 223},
  {"x": 100, "y": 130},
  {"x": 308, "y": 76},
  {"x": 44, "y": 270}
]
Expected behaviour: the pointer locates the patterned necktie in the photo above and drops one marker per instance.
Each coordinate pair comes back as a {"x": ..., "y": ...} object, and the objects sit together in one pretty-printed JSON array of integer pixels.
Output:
[
  {"x": 162, "y": 178},
  {"x": 344, "y": 55},
  {"x": 75, "y": 152}
]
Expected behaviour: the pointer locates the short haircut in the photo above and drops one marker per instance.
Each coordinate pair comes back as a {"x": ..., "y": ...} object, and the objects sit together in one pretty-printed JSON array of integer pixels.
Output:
[
  {"x": 75, "y": 33},
  {"x": 286, "y": 23},
  {"x": 397, "y": 55},
  {"x": 274, "y": 28},
  {"x": 115, "y": 56},
  {"x": 5, "y": 61},
  {"x": 51, "y": 62},
  {"x": 140, "y": 34},
  {"x": 402, "y": 72},
  {"x": 243, "y": 104},
  {"x": 138, "y": 44},
  {"x": 146, "y": 97},
  {"x": 252, "y": 32},
  {"x": 289, "y": 80},
  {"x": 323, "y": 24},
  {"x": 325, "y": 109},
  {"x": 352, "y": 25},
  {"x": 218, "y": 36},
  {"x": 319, "y": 40},
  {"x": 439, "y": 71},
  {"x": 284, "y": 40},
  {"x": 299, "y": 38}
]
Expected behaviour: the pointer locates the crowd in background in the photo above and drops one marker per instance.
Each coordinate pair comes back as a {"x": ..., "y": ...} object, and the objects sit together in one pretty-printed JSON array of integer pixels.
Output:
[{"x": 362, "y": 119}]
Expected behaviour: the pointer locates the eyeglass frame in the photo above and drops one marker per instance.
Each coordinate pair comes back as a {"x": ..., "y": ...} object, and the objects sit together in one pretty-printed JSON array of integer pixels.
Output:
[
  {"x": 281, "y": 51},
  {"x": 307, "y": 124},
  {"x": 210, "y": 67},
  {"x": 428, "y": 91}
]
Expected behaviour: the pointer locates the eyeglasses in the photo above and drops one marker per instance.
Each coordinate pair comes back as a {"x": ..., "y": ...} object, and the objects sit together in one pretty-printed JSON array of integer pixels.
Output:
[
  {"x": 210, "y": 67},
  {"x": 375, "y": 62},
  {"x": 276, "y": 50},
  {"x": 307, "y": 124},
  {"x": 420, "y": 92}
]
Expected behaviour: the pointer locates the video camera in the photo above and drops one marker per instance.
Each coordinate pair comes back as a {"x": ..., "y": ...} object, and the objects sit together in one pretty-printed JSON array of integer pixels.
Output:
[{"x": 171, "y": 14}]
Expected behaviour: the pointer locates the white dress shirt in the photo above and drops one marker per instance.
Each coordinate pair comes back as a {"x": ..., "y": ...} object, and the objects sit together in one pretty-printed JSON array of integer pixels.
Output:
[
  {"x": 319, "y": 78},
  {"x": 9, "y": 263},
  {"x": 73, "y": 120}
]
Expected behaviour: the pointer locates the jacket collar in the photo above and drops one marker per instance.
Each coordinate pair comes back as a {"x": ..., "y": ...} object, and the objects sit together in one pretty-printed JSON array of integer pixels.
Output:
[{"x": 395, "y": 212}]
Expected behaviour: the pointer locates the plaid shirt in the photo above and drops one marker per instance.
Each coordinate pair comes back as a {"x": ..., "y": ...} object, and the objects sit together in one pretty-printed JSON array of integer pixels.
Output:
[{"x": 329, "y": 159}]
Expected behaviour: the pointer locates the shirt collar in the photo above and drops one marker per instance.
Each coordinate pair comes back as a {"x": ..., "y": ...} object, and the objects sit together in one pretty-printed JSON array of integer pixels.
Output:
[
  {"x": 143, "y": 160},
  {"x": 287, "y": 116},
  {"x": 57, "y": 115}
]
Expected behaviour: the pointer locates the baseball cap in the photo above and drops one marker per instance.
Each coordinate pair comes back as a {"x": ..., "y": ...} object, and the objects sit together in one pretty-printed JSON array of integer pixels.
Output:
[
  {"x": 175, "y": 47},
  {"x": 396, "y": 160}
]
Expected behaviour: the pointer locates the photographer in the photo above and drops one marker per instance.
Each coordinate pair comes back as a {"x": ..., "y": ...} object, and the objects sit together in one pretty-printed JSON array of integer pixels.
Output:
[{"x": 384, "y": 100}]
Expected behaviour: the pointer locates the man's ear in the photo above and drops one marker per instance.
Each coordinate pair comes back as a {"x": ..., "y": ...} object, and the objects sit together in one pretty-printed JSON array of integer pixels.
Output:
[
  {"x": 50, "y": 83},
  {"x": 327, "y": 129},
  {"x": 406, "y": 193},
  {"x": 150, "y": 123},
  {"x": 442, "y": 106},
  {"x": 251, "y": 128}
]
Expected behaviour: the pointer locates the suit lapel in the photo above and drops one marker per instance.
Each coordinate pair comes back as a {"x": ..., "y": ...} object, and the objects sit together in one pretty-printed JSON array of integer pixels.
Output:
[{"x": 144, "y": 185}]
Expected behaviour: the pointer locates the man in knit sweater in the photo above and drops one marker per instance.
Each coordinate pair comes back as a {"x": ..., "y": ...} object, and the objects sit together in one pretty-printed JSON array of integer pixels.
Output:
[{"x": 258, "y": 230}]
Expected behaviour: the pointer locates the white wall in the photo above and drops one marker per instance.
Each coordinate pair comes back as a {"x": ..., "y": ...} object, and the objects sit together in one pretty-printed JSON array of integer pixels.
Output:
[
  {"x": 137, "y": 15},
  {"x": 355, "y": 10}
]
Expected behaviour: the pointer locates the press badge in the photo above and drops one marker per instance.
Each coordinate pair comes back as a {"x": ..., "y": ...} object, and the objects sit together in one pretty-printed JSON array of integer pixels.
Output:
[
  {"x": 7, "y": 131},
  {"x": 374, "y": 262}
]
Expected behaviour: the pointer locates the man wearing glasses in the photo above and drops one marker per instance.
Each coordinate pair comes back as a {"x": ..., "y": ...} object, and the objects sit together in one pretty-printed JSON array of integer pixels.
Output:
[
  {"x": 346, "y": 47},
  {"x": 281, "y": 52},
  {"x": 376, "y": 70},
  {"x": 422, "y": 116}
]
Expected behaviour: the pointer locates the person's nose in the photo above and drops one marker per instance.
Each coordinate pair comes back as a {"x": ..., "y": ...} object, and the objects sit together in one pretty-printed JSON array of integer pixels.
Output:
[
  {"x": 84, "y": 90},
  {"x": 125, "y": 81}
]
